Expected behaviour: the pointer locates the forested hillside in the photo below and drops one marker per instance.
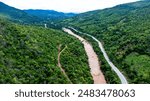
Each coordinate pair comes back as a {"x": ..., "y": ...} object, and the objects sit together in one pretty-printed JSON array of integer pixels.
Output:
[
  {"x": 29, "y": 54},
  {"x": 125, "y": 33}
]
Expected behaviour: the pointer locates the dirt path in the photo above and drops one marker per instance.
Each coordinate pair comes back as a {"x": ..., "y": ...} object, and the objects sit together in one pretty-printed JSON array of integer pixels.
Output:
[
  {"x": 94, "y": 64},
  {"x": 59, "y": 64}
]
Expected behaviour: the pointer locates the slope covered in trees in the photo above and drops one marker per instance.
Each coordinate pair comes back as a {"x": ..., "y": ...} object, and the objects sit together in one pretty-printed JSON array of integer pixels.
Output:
[
  {"x": 28, "y": 54},
  {"x": 125, "y": 33}
]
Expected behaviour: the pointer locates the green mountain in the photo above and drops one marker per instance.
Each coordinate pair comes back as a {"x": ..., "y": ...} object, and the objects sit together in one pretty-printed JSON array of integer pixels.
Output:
[
  {"x": 16, "y": 15},
  {"x": 125, "y": 33}
]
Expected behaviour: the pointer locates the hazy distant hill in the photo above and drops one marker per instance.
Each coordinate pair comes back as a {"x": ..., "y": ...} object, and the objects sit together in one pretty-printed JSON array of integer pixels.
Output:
[
  {"x": 125, "y": 33},
  {"x": 37, "y": 17},
  {"x": 16, "y": 15},
  {"x": 49, "y": 14}
]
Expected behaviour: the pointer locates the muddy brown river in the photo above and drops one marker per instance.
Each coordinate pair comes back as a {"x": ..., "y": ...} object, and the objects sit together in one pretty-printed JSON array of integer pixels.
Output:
[{"x": 93, "y": 60}]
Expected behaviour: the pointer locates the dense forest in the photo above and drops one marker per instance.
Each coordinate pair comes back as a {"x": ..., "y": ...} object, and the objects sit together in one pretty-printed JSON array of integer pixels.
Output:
[
  {"x": 28, "y": 54},
  {"x": 125, "y": 33}
]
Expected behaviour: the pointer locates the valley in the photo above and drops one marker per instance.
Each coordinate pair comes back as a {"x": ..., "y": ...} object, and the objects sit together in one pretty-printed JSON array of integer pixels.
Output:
[{"x": 110, "y": 45}]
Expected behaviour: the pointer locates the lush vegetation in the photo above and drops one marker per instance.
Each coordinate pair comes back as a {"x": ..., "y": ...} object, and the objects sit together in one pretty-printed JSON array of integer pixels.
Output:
[
  {"x": 28, "y": 54},
  {"x": 125, "y": 33},
  {"x": 75, "y": 61}
]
